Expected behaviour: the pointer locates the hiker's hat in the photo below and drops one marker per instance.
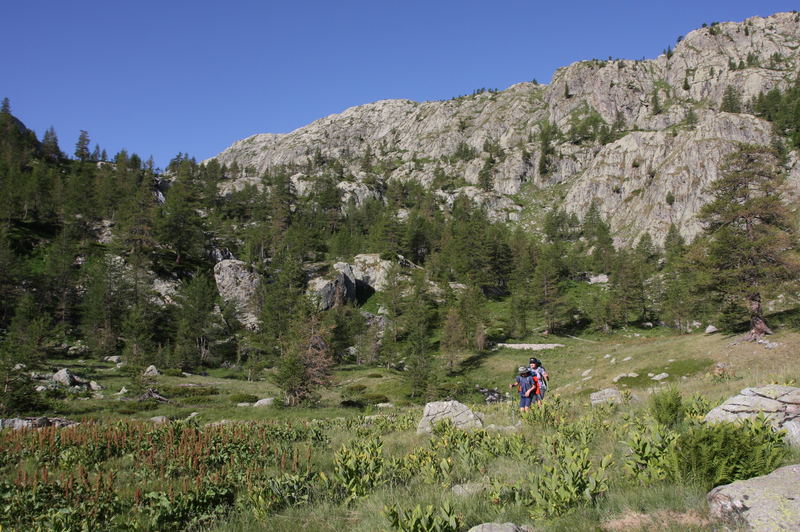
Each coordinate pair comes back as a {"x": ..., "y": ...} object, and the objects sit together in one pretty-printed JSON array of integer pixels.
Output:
[{"x": 523, "y": 369}]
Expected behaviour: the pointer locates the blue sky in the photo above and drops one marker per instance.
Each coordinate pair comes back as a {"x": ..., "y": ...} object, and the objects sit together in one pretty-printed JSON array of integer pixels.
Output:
[{"x": 162, "y": 77}]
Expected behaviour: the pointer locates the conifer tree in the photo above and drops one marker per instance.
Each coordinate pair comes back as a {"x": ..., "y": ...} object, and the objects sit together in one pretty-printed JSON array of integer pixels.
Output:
[
  {"x": 82, "y": 152},
  {"x": 753, "y": 244}
]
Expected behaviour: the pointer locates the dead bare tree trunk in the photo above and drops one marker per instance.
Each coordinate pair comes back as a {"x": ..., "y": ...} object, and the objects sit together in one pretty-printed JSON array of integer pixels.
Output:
[{"x": 758, "y": 327}]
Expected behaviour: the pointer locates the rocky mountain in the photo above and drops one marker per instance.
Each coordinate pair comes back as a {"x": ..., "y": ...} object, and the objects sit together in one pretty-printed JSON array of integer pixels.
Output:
[{"x": 625, "y": 134}]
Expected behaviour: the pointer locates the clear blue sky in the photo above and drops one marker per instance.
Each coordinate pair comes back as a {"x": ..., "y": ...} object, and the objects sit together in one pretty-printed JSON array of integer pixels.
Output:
[{"x": 162, "y": 77}]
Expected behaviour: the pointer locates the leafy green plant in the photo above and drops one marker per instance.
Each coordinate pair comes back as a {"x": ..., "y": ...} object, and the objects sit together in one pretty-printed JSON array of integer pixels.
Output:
[
  {"x": 281, "y": 492},
  {"x": 419, "y": 520},
  {"x": 357, "y": 470},
  {"x": 649, "y": 445},
  {"x": 572, "y": 479}
]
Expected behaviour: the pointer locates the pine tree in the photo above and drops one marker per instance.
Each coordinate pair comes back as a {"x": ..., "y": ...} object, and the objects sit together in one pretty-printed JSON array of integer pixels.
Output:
[
  {"x": 731, "y": 101},
  {"x": 548, "y": 293},
  {"x": 82, "y": 147},
  {"x": 753, "y": 241}
]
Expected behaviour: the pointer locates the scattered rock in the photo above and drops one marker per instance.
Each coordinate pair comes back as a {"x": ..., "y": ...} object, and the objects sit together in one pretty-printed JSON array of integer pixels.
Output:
[
  {"x": 267, "y": 401},
  {"x": 151, "y": 371},
  {"x": 461, "y": 416},
  {"x": 531, "y": 347},
  {"x": 766, "y": 504},
  {"x": 609, "y": 395},
  {"x": 116, "y": 359},
  {"x": 384, "y": 405},
  {"x": 160, "y": 420},
  {"x": 496, "y": 527},
  {"x": 660, "y": 376},
  {"x": 95, "y": 387},
  {"x": 123, "y": 391},
  {"x": 465, "y": 490},
  {"x": 613, "y": 361},
  {"x": 243, "y": 405},
  {"x": 586, "y": 373},
  {"x": 491, "y": 396},
  {"x": 627, "y": 359}
]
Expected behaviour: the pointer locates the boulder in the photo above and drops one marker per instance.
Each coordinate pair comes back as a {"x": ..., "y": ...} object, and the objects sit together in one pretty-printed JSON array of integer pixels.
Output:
[
  {"x": 67, "y": 378},
  {"x": 461, "y": 416},
  {"x": 371, "y": 271},
  {"x": 237, "y": 283},
  {"x": 151, "y": 371},
  {"x": 116, "y": 359},
  {"x": 465, "y": 490},
  {"x": 711, "y": 329},
  {"x": 264, "y": 402},
  {"x": 609, "y": 395},
  {"x": 780, "y": 404},
  {"x": 334, "y": 290},
  {"x": 160, "y": 420},
  {"x": 766, "y": 504}
]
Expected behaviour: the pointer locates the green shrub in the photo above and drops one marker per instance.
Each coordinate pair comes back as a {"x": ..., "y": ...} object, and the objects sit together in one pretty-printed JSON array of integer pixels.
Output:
[
  {"x": 721, "y": 453},
  {"x": 242, "y": 398},
  {"x": 419, "y": 520},
  {"x": 667, "y": 407},
  {"x": 356, "y": 388},
  {"x": 374, "y": 376},
  {"x": 173, "y": 372},
  {"x": 132, "y": 407},
  {"x": 188, "y": 391},
  {"x": 374, "y": 398}
]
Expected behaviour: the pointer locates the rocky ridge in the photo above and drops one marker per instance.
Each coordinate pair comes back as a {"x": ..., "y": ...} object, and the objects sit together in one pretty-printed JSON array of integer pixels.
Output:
[{"x": 447, "y": 144}]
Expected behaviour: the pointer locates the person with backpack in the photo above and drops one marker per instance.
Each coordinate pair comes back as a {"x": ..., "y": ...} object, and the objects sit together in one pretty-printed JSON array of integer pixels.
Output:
[
  {"x": 536, "y": 368},
  {"x": 528, "y": 388}
]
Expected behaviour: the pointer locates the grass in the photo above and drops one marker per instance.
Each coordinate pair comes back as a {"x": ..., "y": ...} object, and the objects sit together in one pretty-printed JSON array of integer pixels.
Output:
[{"x": 689, "y": 359}]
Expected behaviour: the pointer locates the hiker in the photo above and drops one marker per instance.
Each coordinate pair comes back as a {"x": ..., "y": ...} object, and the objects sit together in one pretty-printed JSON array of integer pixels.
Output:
[
  {"x": 538, "y": 370},
  {"x": 528, "y": 388}
]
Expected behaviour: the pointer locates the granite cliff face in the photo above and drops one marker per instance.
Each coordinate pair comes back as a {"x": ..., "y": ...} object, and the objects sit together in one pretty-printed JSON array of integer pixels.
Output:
[{"x": 624, "y": 134}]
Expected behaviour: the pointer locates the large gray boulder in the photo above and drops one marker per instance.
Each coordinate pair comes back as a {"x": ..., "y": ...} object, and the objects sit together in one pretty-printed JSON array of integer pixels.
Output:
[
  {"x": 765, "y": 504},
  {"x": 67, "y": 378},
  {"x": 335, "y": 289},
  {"x": 372, "y": 271},
  {"x": 237, "y": 283},
  {"x": 609, "y": 395},
  {"x": 780, "y": 404},
  {"x": 461, "y": 416},
  {"x": 151, "y": 371}
]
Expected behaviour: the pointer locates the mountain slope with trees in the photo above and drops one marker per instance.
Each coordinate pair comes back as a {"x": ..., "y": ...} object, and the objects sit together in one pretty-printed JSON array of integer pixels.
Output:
[{"x": 599, "y": 202}]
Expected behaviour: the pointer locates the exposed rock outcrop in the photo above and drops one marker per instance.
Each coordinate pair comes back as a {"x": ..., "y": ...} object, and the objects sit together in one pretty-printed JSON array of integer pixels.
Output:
[
  {"x": 461, "y": 416},
  {"x": 780, "y": 404},
  {"x": 488, "y": 146},
  {"x": 764, "y": 504},
  {"x": 333, "y": 289},
  {"x": 238, "y": 284}
]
